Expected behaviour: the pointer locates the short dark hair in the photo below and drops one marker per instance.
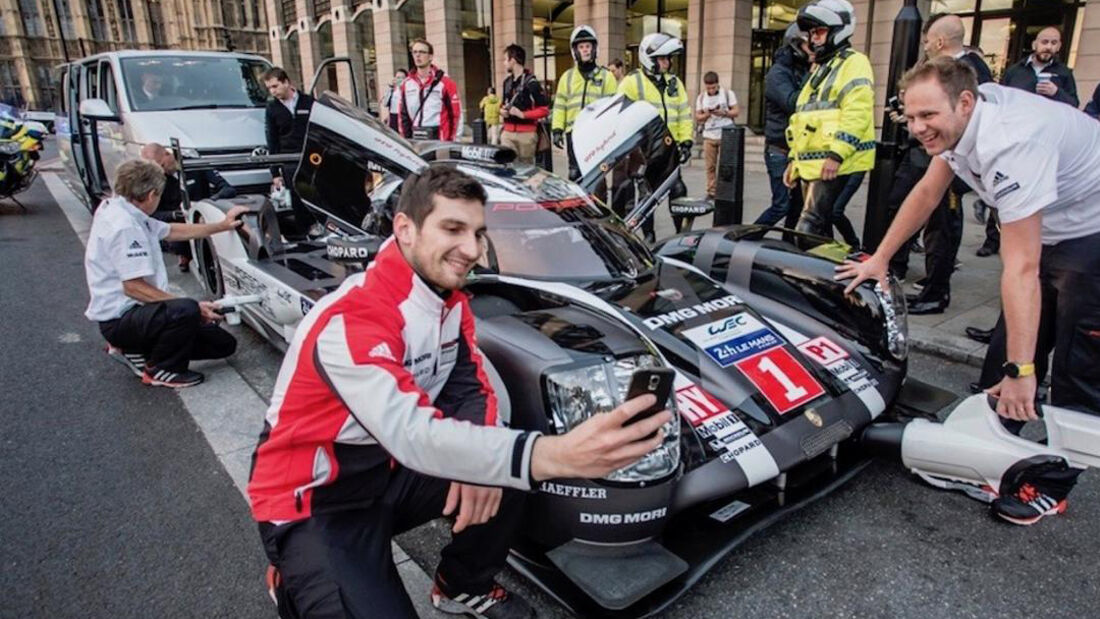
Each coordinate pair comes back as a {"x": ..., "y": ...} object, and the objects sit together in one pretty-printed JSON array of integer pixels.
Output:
[
  {"x": 710, "y": 78},
  {"x": 276, "y": 73},
  {"x": 401, "y": 71},
  {"x": 954, "y": 76},
  {"x": 617, "y": 63},
  {"x": 515, "y": 52},
  {"x": 492, "y": 90},
  {"x": 418, "y": 192},
  {"x": 431, "y": 49}
]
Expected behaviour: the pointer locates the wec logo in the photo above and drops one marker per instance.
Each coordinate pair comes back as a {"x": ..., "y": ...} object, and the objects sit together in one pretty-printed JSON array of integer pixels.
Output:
[{"x": 730, "y": 323}]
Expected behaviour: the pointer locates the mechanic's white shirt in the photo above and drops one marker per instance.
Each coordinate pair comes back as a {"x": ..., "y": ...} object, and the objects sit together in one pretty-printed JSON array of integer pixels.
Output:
[
  {"x": 124, "y": 244},
  {"x": 1023, "y": 153}
]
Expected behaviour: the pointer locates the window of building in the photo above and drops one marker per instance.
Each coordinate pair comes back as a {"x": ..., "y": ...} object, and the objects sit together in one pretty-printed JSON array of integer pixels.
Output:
[
  {"x": 477, "y": 22},
  {"x": 126, "y": 21},
  {"x": 97, "y": 20},
  {"x": 413, "y": 14},
  {"x": 66, "y": 17},
  {"x": 293, "y": 61},
  {"x": 364, "y": 29},
  {"x": 10, "y": 91},
  {"x": 156, "y": 25},
  {"x": 257, "y": 15},
  {"x": 1002, "y": 30},
  {"x": 649, "y": 16},
  {"x": 290, "y": 13},
  {"x": 552, "y": 25},
  {"x": 32, "y": 18}
]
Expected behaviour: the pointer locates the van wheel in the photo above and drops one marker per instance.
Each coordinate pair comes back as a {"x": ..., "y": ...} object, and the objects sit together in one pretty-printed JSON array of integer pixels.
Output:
[{"x": 209, "y": 268}]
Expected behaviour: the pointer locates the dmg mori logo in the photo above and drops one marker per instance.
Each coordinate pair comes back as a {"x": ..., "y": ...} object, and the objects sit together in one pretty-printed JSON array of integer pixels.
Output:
[
  {"x": 634, "y": 518},
  {"x": 730, "y": 323}
]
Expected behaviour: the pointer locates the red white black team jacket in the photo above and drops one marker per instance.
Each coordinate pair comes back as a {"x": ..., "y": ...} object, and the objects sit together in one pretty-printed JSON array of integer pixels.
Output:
[{"x": 383, "y": 367}]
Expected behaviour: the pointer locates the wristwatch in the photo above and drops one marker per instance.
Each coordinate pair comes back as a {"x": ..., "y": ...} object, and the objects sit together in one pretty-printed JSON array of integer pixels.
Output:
[{"x": 1018, "y": 370}]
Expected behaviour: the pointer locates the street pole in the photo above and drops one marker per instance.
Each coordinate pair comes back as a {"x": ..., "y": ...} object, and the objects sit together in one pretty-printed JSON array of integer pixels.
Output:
[{"x": 906, "y": 50}]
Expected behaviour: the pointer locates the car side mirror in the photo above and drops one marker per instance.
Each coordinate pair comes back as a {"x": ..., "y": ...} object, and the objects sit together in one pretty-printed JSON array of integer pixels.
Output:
[{"x": 97, "y": 109}]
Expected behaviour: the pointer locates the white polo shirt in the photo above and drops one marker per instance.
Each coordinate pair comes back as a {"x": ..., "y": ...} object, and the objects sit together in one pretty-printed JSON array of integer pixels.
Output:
[
  {"x": 124, "y": 244},
  {"x": 1023, "y": 153}
]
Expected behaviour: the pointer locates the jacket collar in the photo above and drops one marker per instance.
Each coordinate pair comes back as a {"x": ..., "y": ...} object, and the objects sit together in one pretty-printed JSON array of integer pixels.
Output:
[{"x": 396, "y": 271}]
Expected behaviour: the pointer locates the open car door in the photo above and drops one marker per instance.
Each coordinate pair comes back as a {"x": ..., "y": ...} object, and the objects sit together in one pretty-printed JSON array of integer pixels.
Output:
[
  {"x": 345, "y": 149},
  {"x": 325, "y": 79}
]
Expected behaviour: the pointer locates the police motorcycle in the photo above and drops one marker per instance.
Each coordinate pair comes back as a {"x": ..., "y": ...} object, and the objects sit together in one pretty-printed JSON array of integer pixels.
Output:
[
  {"x": 20, "y": 143},
  {"x": 776, "y": 371}
]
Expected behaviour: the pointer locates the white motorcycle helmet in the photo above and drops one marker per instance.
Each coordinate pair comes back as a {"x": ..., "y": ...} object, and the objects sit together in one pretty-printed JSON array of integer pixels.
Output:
[
  {"x": 584, "y": 34},
  {"x": 656, "y": 45},
  {"x": 836, "y": 15}
]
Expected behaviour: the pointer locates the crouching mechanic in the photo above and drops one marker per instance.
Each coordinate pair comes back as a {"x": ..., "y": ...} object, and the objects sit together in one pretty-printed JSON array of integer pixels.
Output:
[
  {"x": 383, "y": 418},
  {"x": 1038, "y": 163},
  {"x": 153, "y": 332}
]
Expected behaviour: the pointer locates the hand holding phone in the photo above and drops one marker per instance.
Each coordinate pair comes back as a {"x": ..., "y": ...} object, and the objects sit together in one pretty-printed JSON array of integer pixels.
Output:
[{"x": 657, "y": 381}]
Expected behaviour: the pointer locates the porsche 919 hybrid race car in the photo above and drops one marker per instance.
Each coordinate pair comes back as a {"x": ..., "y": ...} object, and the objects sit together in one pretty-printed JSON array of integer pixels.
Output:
[{"x": 777, "y": 371}]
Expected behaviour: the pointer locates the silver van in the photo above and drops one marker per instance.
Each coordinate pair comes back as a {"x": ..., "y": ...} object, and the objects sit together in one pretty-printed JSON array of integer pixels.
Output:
[{"x": 113, "y": 103}]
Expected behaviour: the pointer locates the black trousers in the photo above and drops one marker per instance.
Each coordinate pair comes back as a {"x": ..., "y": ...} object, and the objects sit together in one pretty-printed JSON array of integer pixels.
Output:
[
  {"x": 172, "y": 216},
  {"x": 1069, "y": 324},
  {"x": 818, "y": 199},
  {"x": 341, "y": 564},
  {"x": 942, "y": 237},
  {"x": 170, "y": 334},
  {"x": 574, "y": 169},
  {"x": 992, "y": 231}
]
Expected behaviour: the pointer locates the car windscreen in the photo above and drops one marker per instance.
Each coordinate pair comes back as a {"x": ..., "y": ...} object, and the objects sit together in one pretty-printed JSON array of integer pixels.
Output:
[
  {"x": 162, "y": 83},
  {"x": 546, "y": 241}
]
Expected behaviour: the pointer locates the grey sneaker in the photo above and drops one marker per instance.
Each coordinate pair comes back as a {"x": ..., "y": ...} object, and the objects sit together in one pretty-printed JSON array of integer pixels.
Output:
[{"x": 135, "y": 361}]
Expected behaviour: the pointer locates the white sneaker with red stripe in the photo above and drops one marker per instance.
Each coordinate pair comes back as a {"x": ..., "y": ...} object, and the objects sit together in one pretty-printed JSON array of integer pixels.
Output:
[
  {"x": 498, "y": 603},
  {"x": 135, "y": 361}
]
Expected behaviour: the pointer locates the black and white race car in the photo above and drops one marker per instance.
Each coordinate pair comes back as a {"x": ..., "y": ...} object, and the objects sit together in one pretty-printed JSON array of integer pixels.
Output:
[{"x": 777, "y": 371}]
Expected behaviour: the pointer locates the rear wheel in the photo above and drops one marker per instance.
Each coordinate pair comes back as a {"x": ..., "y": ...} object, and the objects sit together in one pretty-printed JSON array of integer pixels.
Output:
[{"x": 209, "y": 268}]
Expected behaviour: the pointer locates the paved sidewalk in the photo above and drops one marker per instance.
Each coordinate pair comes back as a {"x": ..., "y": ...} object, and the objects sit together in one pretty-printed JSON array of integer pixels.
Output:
[{"x": 975, "y": 287}]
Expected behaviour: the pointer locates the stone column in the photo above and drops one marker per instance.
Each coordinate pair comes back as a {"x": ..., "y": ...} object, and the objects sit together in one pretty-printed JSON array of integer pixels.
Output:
[
  {"x": 512, "y": 23},
  {"x": 608, "y": 17},
  {"x": 391, "y": 41},
  {"x": 345, "y": 42},
  {"x": 1086, "y": 68},
  {"x": 719, "y": 39},
  {"x": 443, "y": 29},
  {"x": 309, "y": 41}
]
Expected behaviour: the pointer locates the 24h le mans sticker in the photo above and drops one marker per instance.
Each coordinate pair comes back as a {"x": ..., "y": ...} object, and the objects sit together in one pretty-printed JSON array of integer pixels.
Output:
[
  {"x": 781, "y": 379},
  {"x": 733, "y": 338}
]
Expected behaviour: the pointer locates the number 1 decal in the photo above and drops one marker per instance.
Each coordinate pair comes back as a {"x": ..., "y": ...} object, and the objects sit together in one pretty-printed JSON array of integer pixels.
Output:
[{"x": 781, "y": 379}]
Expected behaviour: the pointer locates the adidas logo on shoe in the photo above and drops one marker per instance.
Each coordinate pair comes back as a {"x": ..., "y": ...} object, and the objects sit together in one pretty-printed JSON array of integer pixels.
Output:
[
  {"x": 135, "y": 361},
  {"x": 174, "y": 380},
  {"x": 1027, "y": 506},
  {"x": 498, "y": 603}
]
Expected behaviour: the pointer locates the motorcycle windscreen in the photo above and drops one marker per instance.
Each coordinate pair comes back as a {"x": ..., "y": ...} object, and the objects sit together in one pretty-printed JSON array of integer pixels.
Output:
[
  {"x": 345, "y": 151},
  {"x": 616, "y": 139}
]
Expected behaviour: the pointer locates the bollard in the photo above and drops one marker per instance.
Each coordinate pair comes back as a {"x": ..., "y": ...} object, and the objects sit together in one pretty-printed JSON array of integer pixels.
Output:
[
  {"x": 545, "y": 158},
  {"x": 480, "y": 131},
  {"x": 907, "y": 26},
  {"x": 729, "y": 189}
]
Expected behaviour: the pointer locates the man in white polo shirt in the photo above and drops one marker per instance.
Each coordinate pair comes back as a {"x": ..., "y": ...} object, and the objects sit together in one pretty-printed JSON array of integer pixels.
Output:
[
  {"x": 151, "y": 331},
  {"x": 1038, "y": 163}
]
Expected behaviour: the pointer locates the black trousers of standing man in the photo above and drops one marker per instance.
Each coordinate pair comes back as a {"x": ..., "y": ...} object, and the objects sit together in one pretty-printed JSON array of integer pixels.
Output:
[
  {"x": 170, "y": 334},
  {"x": 340, "y": 564}
]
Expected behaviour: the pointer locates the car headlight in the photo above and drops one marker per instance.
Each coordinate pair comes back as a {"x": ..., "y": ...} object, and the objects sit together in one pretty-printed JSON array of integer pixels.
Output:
[
  {"x": 575, "y": 394},
  {"x": 9, "y": 148},
  {"x": 895, "y": 315}
]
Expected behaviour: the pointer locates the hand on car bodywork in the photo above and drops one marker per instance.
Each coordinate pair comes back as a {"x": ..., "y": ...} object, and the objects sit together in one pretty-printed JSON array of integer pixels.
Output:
[
  {"x": 476, "y": 504},
  {"x": 601, "y": 444},
  {"x": 873, "y": 268},
  {"x": 1016, "y": 397},
  {"x": 233, "y": 217}
]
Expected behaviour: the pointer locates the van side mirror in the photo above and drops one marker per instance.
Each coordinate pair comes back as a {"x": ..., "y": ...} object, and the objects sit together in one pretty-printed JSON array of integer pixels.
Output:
[{"x": 97, "y": 109}]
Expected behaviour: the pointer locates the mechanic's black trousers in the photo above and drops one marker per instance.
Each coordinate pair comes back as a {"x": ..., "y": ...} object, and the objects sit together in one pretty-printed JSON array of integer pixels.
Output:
[
  {"x": 818, "y": 199},
  {"x": 341, "y": 564},
  {"x": 169, "y": 333},
  {"x": 1069, "y": 324}
]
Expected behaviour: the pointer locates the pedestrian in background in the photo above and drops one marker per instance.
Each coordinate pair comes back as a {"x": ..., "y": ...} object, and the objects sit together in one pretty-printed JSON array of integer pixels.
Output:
[
  {"x": 390, "y": 103},
  {"x": 490, "y": 111},
  {"x": 618, "y": 69},
  {"x": 525, "y": 103},
  {"x": 430, "y": 106},
  {"x": 1092, "y": 108},
  {"x": 716, "y": 107},
  {"x": 782, "y": 84}
]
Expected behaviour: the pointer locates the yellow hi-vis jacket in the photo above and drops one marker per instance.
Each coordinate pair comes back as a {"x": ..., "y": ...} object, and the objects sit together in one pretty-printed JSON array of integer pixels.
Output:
[
  {"x": 674, "y": 108},
  {"x": 575, "y": 92},
  {"x": 835, "y": 114}
]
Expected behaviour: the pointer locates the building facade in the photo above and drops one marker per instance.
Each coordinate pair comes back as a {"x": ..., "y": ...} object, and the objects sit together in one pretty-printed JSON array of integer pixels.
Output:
[
  {"x": 38, "y": 35},
  {"x": 735, "y": 38}
]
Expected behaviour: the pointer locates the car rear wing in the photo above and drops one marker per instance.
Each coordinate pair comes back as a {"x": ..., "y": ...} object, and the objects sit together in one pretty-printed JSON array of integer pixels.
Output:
[{"x": 224, "y": 164}]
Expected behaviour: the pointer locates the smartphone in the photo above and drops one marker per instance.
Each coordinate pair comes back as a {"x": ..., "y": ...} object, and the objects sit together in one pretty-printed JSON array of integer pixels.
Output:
[{"x": 657, "y": 381}]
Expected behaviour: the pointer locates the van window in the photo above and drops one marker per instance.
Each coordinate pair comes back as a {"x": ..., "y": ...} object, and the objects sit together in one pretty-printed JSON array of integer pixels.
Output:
[
  {"x": 157, "y": 83},
  {"x": 89, "y": 86},
  {"x": 107, "y": 90},
  {"x": 63, "y": 84}
]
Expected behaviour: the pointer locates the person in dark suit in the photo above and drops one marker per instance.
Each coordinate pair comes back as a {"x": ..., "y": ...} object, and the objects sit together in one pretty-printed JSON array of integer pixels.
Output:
[
  {"x": 202, "y": 185},
  {"x": 285, "y": 122},
  {"x": 152, "y": 86}
]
